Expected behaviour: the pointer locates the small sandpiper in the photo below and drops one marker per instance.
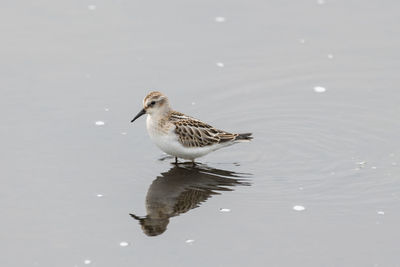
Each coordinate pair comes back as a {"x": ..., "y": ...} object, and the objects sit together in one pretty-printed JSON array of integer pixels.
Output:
[{"x": 182, "y": 136}]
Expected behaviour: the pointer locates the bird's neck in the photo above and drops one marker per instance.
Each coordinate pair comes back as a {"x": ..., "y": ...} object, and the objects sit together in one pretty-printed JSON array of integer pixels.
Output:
[
  {"x": 161, "y": 114},
  {"x": 158, "y": 123}
]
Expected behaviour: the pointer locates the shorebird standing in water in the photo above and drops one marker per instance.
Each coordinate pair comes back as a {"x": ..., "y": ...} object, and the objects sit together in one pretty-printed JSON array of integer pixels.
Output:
[{"x": 182, "y": 136}]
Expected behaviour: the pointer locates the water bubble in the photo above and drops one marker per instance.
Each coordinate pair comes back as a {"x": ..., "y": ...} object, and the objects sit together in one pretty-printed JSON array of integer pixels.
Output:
[
  {"x": 92, "y": 7},
  {"x": 319, "y": 89},
  {"x": 224, "y": 210},
  {"x": 298, "y": 208},
  {"x": 99, "y": 195},
  {"x": 220, "y": 19},
  {"x": 361, "y": 164},
  {"x": 87, "y": 262},
  {"x": 99, "y": 123},
  {"x": 189, "y": 241},
  {"x": 124, "y": 244},
  {"x": 220, "y": 64}
]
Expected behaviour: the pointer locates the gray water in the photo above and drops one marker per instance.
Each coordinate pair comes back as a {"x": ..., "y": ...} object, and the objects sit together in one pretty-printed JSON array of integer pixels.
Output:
[{"x": 68, "y": 186}]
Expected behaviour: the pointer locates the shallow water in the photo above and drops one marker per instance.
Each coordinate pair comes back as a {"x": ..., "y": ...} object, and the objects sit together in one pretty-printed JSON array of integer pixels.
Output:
[{"x": 318, "y": 186}]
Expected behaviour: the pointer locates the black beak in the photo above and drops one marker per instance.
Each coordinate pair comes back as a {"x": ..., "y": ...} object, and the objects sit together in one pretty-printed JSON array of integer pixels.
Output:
[
  {"x": 142, "y": 112},
  {"x": 136, "y": 217}
]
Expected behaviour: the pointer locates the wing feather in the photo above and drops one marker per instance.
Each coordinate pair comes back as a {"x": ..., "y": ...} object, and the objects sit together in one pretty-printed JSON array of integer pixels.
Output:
[{"x": 194, "y": 133}]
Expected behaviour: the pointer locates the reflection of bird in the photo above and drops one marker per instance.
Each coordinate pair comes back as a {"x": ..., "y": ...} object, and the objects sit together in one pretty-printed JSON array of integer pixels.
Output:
[
  {"x": 182, "y": 189},
  {"x": 182, "y": 136}
]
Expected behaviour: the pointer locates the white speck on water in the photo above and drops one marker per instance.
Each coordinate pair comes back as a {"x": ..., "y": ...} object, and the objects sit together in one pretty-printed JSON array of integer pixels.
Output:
[
  {"x": 87, "y": 262},
  {"x": 302, "y": 41},
  {"x": 106, "y": 109},
  {"x": 220, "y": 19},
  {"x": 373, "y": 167},
  {"x": 391, "y": 154},
  {"x": 301, "y": 188},
  {"x": 124, "y": 244},
  {"x": 330, "y": 56},
  {"x": 193, "y": 103},
  {"x": 92, "y": 7},
  {"x": 220, "y": 64},
  {"x": 380, "y": 212},
  {"x": 189, "y": 241},
  {"x": 394, "y": 163},
  {"x": 224, "y": 210},
  {"x": 124, "y": 133},
  {"x": 299, "y": 208},
  {"x": 99, "y": 195},
  {"x": 319, "y": 89},
  {"x": 321, "y": 2},
  {"x": 333, "y": 173},
  {"x": 361, "y": 164},
  {"x": 100, "y": 123}
]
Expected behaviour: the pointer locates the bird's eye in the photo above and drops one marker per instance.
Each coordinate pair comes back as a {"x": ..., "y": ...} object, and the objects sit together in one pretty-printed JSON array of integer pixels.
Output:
[{"x": 152, "y": 103}]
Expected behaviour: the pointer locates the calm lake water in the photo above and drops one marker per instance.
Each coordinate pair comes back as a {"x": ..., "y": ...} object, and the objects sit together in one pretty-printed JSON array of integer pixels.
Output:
[{"x": 317, "y": 82}]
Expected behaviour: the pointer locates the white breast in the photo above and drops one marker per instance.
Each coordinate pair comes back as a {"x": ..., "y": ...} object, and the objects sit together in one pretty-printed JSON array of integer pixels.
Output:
[{"x": 168, "y": 142}]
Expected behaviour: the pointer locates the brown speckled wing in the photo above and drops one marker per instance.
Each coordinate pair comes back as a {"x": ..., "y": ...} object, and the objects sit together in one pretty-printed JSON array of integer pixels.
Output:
[
  {"x": 194, "y": 133},
  {"x": 190, "y": 199}
]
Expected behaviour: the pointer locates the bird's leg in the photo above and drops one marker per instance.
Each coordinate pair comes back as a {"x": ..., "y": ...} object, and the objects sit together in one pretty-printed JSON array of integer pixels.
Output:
[
  {"x": 176, "y": 160},
  {"x": 194, "y": 163}
]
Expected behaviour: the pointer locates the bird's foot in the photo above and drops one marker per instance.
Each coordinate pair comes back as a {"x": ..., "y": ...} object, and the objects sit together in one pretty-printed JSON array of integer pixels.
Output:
[{"x": 185, "y": 163}]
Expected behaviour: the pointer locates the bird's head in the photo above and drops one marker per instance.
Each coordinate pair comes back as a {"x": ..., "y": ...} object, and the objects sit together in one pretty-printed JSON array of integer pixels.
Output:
[{"x": 154, "y": 103}]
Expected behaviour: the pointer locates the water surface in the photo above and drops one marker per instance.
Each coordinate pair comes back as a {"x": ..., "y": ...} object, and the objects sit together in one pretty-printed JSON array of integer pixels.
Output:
[{"x": 73, "y": 73}]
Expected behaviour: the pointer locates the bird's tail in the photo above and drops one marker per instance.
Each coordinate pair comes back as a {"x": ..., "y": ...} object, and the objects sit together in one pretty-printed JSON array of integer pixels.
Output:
[{"x": 244, "y": 137}]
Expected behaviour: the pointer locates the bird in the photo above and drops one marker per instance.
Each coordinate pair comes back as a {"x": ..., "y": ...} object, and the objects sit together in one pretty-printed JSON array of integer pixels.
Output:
[
  {"x": 182, "y": 136},
  {"x": 182, "y": 189}
]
